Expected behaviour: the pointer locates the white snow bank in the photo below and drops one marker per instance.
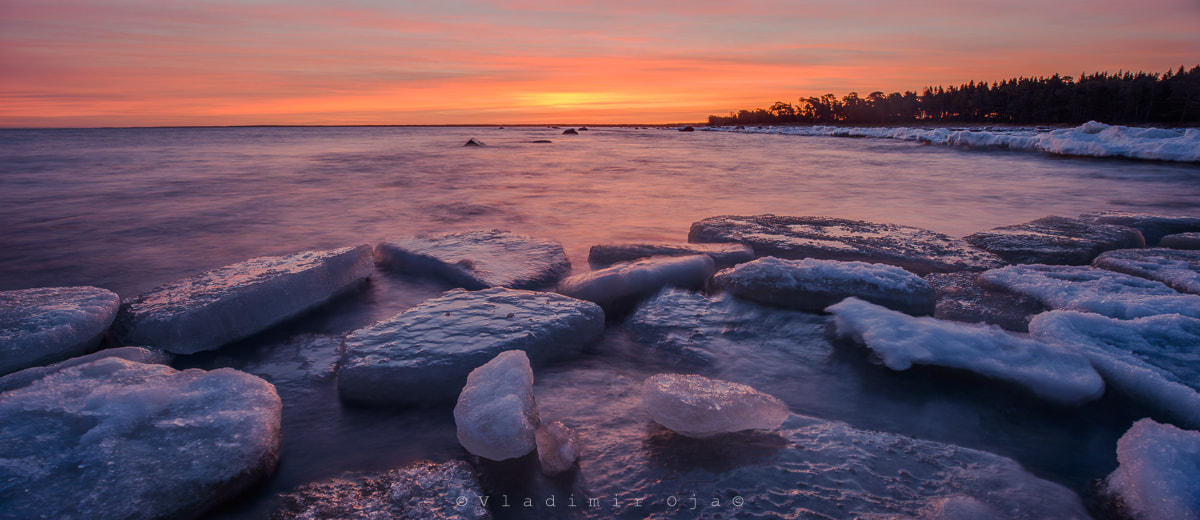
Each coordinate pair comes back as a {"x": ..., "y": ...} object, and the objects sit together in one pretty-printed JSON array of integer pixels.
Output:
[
  {"x": 1051, "y": 371},
  {"x": 1088, "y": 289},
  {"x": 1090, "y": 139},
  {"x": 811, "y": 284},
  {"x": 1159, "y": 475}
]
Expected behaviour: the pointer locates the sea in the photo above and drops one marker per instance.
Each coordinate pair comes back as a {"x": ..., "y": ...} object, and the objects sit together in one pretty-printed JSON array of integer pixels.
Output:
[{"x": 130, "y": 209}]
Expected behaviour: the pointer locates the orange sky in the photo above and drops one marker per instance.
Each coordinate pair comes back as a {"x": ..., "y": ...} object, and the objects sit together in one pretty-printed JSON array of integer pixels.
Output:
[{"x": 228, "y": 62}]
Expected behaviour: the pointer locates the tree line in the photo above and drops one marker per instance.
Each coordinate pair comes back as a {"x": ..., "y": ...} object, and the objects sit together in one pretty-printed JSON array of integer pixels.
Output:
[{"x": 1121, "y": 98}]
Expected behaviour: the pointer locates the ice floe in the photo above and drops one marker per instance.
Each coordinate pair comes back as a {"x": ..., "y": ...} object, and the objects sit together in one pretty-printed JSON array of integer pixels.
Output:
[
  {"x": 723, "y": 255},
  {"x": 1083, "y": 288},
  {"x": 918, "y": 250},
  {"x": 811, "y": 284},
  {"x": 1179, "y": 270},
  {"x": 423, "y": 355},
  {"x": 217, "y": 307},
  {"x": 1055, "y": 240},
  {"x": 496, "y": 414},
  {"x": 961, "y": 298},
  {"x": 1050, "y": 371},
  {"x": 558, "y": 447},
  {"x": 479, "y": 259},
  {"x": 117, "y": 439},
  {"x": 1188, "y": 241},
  {"x": 48, "y": 324},
  {"x": 23, "y": 378},
  {"x": 1159, "y": 473},
  {"x": 1153, "y": 227},
  {"x": 425, "y": 490},
  {"x": 699, "y": 407},
  {"x": 622, "y": 285}
]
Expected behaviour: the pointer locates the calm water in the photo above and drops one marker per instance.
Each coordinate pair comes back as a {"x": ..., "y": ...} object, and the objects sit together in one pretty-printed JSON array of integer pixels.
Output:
[{"x": 129, "y": 209}]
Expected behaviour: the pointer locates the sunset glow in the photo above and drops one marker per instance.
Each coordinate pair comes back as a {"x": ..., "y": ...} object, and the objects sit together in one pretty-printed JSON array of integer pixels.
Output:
[{"x": 229, "y": 62}]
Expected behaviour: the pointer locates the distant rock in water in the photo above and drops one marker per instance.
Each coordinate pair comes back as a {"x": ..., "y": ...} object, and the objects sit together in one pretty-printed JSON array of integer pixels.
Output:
[
  {"x": 1180, "y": 270},
  {"x": 479, "y": 259},
  {"x": 496, "y": 414},
  {"x": 1187, "y": 241},
  {"x": 687, "y": 129},
  {"x": 1153, "y": 227},
  {"x": 621, "y": 286},
  {"x": 700, "y": 407},
  {"x": 723, "y": 255},
  {"x": 811, "y": 284},
  {"x": 44, "y": 325},
  {"x": 213, "y": 308},
  {"x": 917, "y": 250},
  {"x": 583, "y": 129},
  {"x": 1159, "y": 473},
  {"x": 542, "y": 141},
  {"x": 570, "y": 131},
  {"x": 1088, "y": 289},
  {"x": 961, "y": 298},
  {"x": 474, "y": 142},
  {"x": 1056, "y": 241},
  {"x": 115, "y": 439},
  {"x": 26, "y": 377},
  {"x": 425, "y": 490}
]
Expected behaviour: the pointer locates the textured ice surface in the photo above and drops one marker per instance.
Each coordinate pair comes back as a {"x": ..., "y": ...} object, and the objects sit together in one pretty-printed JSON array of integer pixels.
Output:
[
  {"x": 961, "y": 298},
  {"x": 918, "y": 250},
  {"x": 479, "y": 259},
  {"x": 558, "y": 447},
  {"x": 1180, "y": 270},
  {"x": 1050, "y": 371},
  {"x": 44, "y": 325},
  {"x": 216, "y": 307},
  {"x": 811, "y": 284},
  {"x": 1155, "y": 359},
  {"x": 423, "y": 355},
  {"x": 1056, "y": 240},
  {"x": 1190, "y": 241},
  {"x": 1089, "y": 289},
  {"x": 446, "y": 491},
  {"x": 1159, "y": 475},
  {"x": 23, "y": 378},
  {"x": 700, "y": 407},
  {"x": 1153, "y": 227},
  {"x": 621, "y": 285},
  {"x": 724, "y": 255},
  {"x": 117, "y": 439},
  {"x": 496, "y": 414}
]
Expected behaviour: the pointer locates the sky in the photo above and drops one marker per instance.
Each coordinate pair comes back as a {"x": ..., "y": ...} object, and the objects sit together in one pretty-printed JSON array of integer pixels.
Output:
[{"x": 89, "y": 63}]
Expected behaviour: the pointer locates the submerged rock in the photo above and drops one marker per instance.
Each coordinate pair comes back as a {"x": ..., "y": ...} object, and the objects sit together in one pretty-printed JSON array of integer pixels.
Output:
[
  {"x": 1159, "y": 473},
  {"x": 622, "y": 285},
  {"x": 217, "y": 307},
  {"x": 811, "y": 284},
  {"x": 423, "y": 355},
  {"x": 479, "y": 259},
  {"x": 558, "y": 447},
  {"x": 570, "y": 131},
  {"x": 118, "y": 439},
  {"x": 700, "y": 407},
  {"x": 25, "y": 377},
  {"x": 1047, "y": 370},
  {"x": 1153, "y": 227},
  {"x": 1056, "y": 240},
  {"x": 496, "y": 414},
  {"x": 1179, "y": 270},
  {"x": 723, "y": 255},
  {"x": 1089, "y": 289},
  {"x": 918, "y": 250},
  {"x": 961, "y": 298},
  {"x": 474, "y": 142},
  {"x": 44, "y": 325},
  {"x": 1186, "y": 241},
  {"x": 446, "y": 491}
]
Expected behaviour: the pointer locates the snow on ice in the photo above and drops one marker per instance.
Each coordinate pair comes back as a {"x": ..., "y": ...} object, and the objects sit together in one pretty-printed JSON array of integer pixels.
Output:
[
  {"x": 44, "y": 325},
  {"x": 1089, "y": 289},
  {"x": 811, "y": 284},
  {"x": 496, "y": 414},
  {"x": 700, "y": 407},
  {"x": 1179, "y": 270},
  {"x": 479, "y": 259},
  {"x": 1159, "y": 473},
  {"x": 25, "y": 377},
  {"x": 1055, "y": 240}
]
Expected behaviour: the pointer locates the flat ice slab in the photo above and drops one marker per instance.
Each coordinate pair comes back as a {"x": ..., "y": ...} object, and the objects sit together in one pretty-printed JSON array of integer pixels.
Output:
[
  {"x": 723, "y": 255},
  {"x": 44, "y": 325},
  {"x": 918, "y": 250},
  {"x": 217, "y": 307},
  {"x": 1155, "y": 359},
  {"x": 1083, "y": 288},
  {"x": 479, "y": 259},
  {"x": 1159, "y": 473},
  {"x": 1056, "y": 240},
  {"x": 496, "y": 414},
  {"x": 23, "y": 378},
  {"x": 1188, "y": 241},
  {"x": 623, "y": 284},
  {"x": 423, "y": 355},
  {"x": 1179, "y": 270},
  {"x": 1053, "y": 372},
  {"x": 961, "y": 298},
  {"x": 811, "y": 284},
  {"x": 117, "y": 439},
  {"x": 699, "y": 407},
  {"x": 1153, "y": 227},
  {"x": 446, "y": 491}
]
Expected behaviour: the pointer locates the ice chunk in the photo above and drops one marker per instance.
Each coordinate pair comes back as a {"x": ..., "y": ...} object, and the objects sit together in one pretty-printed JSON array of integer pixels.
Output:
[
  {"x": 44, "y": 325},
  {"x": 1159, "y": 473},
  {"x": 496, "y": 414},
  {"x": 1155, "y": 359},
  {"x": 700, "y": 407},
  {"x": 1050, "y": 371},
  {"x": 117, "y": 439},
  {"x": 1153, "y": 227},
  {"x": 811, "y": 284},
  {"x": 23, "y": 378},
  {"x": 216, "y": 307},
  {"x": 423, "y": 355},
  {"x": 723, "y": 255},
  {"x": 918, "y": 250},
  {"x": 479, "y": 259},
  {"x": 558, "y": 446},
  {"x": 961, "y": 298},
  {"x": 446, "y": 491},
  {"x": 1179, "y": 270},
  {"x": 1190, "y": 241},
  {"x": 1089, "y": 289},
  {"x": 1056, "y": 240},
  {"x": 622, "y": 285}
]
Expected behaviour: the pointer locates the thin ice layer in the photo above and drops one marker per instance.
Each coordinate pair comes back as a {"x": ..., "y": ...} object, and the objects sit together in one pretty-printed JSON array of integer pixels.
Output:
[
  {"x": 1179, "y": 270},
  {"x": 44, "y": 325},
  {"x": 1050, "y": 371},
  {"x": 811, "y": 284},
  {"x": 479, "y": 259},
  {"x": 1159, "y": 473},
  {"x": 1083, "y": 288}
]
